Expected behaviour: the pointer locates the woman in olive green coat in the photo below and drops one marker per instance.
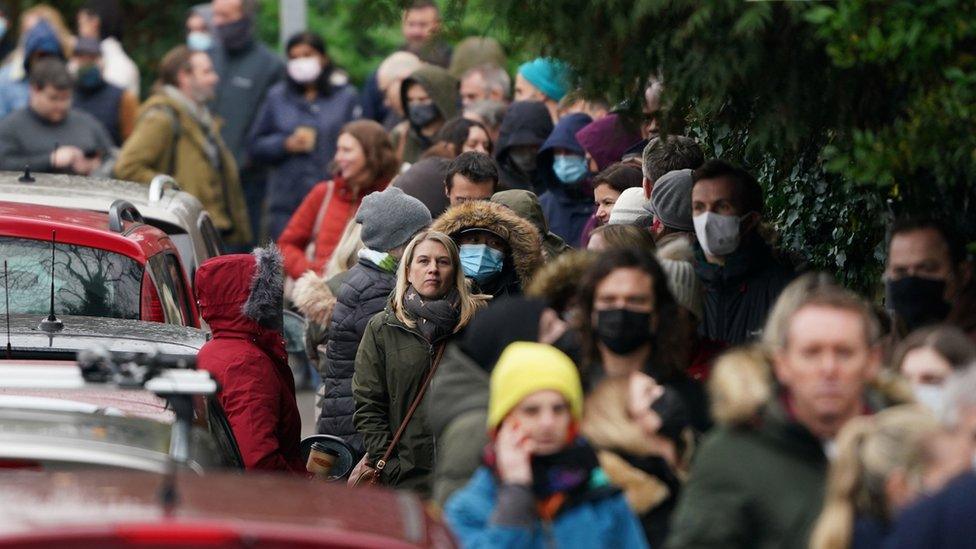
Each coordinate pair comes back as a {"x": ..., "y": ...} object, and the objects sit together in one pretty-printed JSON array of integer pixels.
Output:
[{"x": 430, "y": 304}]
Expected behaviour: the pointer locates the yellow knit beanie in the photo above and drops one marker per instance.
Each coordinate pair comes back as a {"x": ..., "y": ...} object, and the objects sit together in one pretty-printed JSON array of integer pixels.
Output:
[{"x": 525, "y": 368}]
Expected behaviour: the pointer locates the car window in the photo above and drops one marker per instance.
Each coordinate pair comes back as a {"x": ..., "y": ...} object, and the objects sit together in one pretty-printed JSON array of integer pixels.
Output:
[
  {"x": 87, "y": 281},
  {"x": 223, "y": 435},
  {"x": 173, "y": 294},
  {"x": 211, "y": 237}
]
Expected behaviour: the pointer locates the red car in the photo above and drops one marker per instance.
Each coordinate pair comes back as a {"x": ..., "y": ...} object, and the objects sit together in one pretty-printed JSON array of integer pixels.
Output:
[
  {"x": 128, "y": 509},
  {"x": 105, "y": 264}
]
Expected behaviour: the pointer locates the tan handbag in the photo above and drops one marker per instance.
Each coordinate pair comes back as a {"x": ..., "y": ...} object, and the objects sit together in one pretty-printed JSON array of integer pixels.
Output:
[{"x": 364, "y": 474}]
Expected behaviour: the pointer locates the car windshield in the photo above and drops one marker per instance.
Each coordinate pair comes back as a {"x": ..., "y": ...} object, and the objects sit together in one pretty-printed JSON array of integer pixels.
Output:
[{"x": 87, "y": 281}]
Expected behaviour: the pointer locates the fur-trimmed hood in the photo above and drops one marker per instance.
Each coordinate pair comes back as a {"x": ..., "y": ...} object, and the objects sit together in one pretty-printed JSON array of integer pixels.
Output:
[
  {"x": 742, "y": 385},
  {"x": 557, "y": 281},
  {"x": 522, "y": 237},
  {"x": 242, "y": 293}
]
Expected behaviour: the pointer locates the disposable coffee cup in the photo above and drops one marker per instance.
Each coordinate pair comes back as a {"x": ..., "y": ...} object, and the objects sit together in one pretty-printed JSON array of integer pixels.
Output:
[
  {"x": 309, "y": 134},
  {"x": 321, "y": 460}
]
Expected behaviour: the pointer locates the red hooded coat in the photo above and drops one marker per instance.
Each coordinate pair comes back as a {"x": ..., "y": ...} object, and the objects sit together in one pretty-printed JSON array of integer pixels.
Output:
[{"x": 240, "y": 298}]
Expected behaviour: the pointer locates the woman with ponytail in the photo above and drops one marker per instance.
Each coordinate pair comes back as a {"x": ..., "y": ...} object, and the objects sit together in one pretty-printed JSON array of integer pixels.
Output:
[{"x": 878, "y": 470}]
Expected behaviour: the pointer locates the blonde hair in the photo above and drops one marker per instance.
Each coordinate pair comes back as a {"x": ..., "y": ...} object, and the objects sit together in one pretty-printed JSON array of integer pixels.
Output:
[
  {"x": 53, "y": 18},
  {"x": 470, "y": 303},
  {"x": 346, "y": 253},
  {"x": 869, "y": 450},
  {"x": 740, "y": 385}
]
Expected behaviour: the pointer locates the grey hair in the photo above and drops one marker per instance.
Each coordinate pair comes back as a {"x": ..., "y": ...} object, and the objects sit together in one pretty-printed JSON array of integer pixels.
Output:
[
  {"x": 960, "y": 394},
  {"x": 489, "y": 110},
  {"x": 495, "y": 77}
]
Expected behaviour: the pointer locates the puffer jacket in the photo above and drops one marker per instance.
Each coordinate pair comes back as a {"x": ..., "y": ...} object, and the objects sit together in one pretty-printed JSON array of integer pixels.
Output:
[
  {"x": 240, "y": 298},
  {"x": 293, "y": 175},
  {"x": 525, "y": 244},
  {"x": 444, "y": 92},
  {"x": 739, "y": 294},
  {"x": 391, "y": 364},
  {"x": 364, "y": 293},
  {"x": 598, "y": 522},
  {"x": 526, "y": 123}
]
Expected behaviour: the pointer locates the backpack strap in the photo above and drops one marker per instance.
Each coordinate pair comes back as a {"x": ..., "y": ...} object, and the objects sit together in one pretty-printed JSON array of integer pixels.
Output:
[{"x": 174, "y": 119}]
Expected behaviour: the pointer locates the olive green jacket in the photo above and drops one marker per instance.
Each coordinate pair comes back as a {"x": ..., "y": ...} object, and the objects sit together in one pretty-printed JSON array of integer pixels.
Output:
[
  {"x": 391, "y": 364},
  {"x": 149, "y": 151}
]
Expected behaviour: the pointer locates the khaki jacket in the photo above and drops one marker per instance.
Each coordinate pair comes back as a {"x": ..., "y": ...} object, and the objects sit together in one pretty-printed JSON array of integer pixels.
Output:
[{"x": 149, "y": 152}]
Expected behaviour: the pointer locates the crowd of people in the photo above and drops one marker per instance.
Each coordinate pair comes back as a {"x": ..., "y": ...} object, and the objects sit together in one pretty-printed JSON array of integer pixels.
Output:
[{"x": 525, "y": 303}]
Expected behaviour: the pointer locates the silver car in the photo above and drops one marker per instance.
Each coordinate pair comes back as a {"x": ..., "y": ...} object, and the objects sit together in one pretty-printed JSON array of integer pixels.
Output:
[{"x": 179, "y": 214}]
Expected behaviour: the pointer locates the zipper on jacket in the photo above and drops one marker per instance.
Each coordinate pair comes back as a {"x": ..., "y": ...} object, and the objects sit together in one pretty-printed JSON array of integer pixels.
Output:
[{"x": 548, "y": 533}]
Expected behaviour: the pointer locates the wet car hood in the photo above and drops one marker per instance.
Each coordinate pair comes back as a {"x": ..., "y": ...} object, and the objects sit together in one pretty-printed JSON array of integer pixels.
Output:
[{"x": 116, "y": 335}]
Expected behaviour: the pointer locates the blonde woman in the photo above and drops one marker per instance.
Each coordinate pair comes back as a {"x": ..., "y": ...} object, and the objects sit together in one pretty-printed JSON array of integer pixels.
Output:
[
  {"x": 878, "y": 471},
  {"x": 431, "y": 303}
]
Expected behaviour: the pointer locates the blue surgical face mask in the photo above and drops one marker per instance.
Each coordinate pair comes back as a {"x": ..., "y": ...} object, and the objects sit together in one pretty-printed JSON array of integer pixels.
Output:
[
  {"x": 570, "y": 168},
  {"x": 199, "y": 41},
  {"x": 481, "y": 261},
  {"x": 3, "y": 27}
]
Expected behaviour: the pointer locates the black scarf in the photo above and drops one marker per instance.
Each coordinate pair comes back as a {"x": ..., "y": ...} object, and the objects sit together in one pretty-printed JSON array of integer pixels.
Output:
[{"x": 436, "y": 318}]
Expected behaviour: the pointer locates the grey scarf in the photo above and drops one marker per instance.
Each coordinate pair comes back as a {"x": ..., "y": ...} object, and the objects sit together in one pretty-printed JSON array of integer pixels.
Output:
[
  {"x": 204, "y": 119},
  {"x": 436, "y": 318}
]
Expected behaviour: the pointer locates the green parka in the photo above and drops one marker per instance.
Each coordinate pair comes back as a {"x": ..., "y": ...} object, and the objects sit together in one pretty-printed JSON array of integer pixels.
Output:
[
  {"x": 444, "y": 93},
  {"x": 391, "y": 364}
]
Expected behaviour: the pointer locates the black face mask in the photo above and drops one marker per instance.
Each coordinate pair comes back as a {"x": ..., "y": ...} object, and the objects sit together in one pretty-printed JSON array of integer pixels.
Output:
[
  {"x": 525, "y": 160},
  {"x": 236, "y": 35},
  {"x": 421, "y": 115},
  {"x": 917, "y": 301},
  {"x": 623, "y": 331}
]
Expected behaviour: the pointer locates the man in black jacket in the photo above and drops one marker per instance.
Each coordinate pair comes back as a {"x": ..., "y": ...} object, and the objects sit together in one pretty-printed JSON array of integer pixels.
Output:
[
  {"x": 247, "y": 70},
  {"x": 738, "y": 270},
  {"x": 390, "y": 219}
]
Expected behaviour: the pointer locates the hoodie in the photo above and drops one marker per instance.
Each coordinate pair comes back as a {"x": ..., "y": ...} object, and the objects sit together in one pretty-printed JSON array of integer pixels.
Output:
[
  {"x": 607, "y": 139},
  {"x": 425, "y": 182},
  {"x": 241, "y": 299},
  {"x": 566, "y": 206},
  {"x": 525, "y": 204},
  {"x": 526, "y": 123},
  {"x": 444, "y": 92},
  {"x": 524, "y": 253},
  {"x": 13, "y": 79}
]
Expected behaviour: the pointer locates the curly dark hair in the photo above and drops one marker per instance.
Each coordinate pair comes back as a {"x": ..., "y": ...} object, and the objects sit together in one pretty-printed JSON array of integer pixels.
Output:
[{"x": 668, "y": 344}]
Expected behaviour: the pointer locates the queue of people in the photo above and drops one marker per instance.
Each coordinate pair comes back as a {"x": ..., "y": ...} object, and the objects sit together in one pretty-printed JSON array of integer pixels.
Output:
[{"x": 526, "y": 305}]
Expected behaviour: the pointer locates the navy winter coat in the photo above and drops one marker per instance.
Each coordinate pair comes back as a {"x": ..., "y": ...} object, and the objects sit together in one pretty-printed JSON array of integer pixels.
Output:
[
  {"x": 363, "y": 294},
  {"x": 292, "y": 176}
]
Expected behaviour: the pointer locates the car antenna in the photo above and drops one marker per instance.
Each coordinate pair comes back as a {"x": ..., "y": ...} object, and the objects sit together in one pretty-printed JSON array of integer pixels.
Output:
[
  {"x": 51, "y": 324},
  {"x": 6, "y": 306},
  {"x": 27, "y": 177}
]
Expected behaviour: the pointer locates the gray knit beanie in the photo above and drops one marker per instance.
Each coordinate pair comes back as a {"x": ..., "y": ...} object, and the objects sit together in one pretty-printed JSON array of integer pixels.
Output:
[
  {"x": 629, "y": 207},
  {"x": 671, "y": 200},
  {"x": 684, "y": 284},
  {"x": 390, "y": 219}
]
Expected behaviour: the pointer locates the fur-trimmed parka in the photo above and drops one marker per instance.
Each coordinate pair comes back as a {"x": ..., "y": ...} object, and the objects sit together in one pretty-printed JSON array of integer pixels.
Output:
[
  {"x": 241, "y": 299},
  {"x": 524, "y": 241}
]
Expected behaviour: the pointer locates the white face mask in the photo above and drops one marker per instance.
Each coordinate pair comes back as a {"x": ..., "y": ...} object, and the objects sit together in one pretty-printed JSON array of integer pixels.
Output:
[
  {"x": 717, "y": 234},
  {"x": 304, "y": 69},
  {"x": 929, "y": 395}
]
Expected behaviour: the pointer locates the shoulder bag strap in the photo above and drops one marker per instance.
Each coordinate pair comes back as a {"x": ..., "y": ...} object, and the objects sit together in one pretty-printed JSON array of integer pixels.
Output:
[
  {"x": 413, "y": 408},
  {"x": 329, "y": 191}
]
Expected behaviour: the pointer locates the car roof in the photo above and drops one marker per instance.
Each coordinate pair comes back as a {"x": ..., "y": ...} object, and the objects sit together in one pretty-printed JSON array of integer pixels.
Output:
[
  {"x": 81, "y": 227},
  {"x": 174, "y": 207},
  {"x": 84, "y": 332},
  {"x": 287, "y": 508}
]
